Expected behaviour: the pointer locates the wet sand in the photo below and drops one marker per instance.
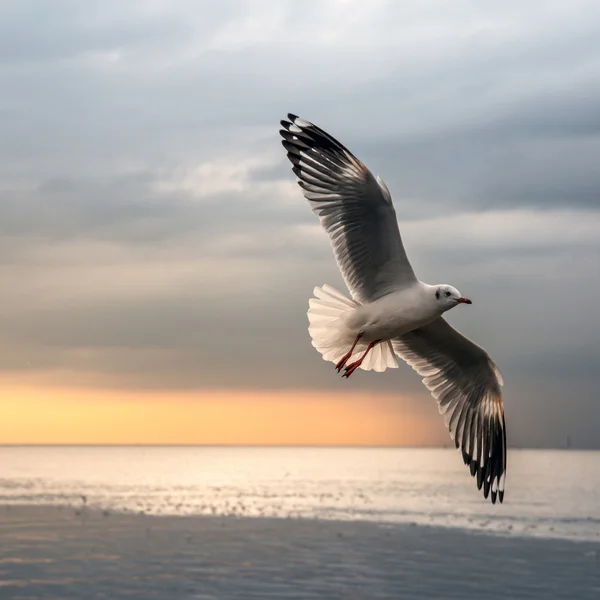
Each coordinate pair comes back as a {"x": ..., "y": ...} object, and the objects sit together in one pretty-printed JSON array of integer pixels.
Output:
[{"x": 64, "y": 553}]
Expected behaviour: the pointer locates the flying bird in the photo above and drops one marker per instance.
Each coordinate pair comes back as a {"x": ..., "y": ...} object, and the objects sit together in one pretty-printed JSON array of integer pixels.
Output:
[{"x": 391, "y": 312}]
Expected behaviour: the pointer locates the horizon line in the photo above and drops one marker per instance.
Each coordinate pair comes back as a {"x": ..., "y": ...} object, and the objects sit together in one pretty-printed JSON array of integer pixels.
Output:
[{"x": 449, "y": 446}]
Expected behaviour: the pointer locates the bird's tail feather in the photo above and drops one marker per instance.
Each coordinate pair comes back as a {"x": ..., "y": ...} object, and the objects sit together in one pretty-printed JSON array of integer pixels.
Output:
[{"x": 327, "y": 313}]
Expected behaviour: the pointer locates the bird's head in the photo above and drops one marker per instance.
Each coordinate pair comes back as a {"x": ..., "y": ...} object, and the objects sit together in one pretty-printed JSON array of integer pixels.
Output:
[{"x": 448, "y": 297}]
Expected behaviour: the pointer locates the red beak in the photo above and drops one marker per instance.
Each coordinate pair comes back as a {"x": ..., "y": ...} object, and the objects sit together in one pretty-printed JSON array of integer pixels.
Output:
[{"x": 464, "y": 301}]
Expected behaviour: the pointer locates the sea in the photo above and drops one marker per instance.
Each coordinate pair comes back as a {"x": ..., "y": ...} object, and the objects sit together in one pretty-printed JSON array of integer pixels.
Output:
[{"x": 549, "y": 493}]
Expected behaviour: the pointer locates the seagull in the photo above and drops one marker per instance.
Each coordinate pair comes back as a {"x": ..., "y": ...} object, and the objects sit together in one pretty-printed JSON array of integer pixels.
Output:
[{"x": 391, "y": 312}]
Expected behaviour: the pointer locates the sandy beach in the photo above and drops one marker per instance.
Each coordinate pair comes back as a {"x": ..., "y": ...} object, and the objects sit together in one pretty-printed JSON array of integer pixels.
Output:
[{"x": 66, "y": 553}]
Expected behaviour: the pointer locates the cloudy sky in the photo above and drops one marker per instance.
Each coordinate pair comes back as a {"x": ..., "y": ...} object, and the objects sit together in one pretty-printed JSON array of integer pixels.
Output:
[{"x": 156, "y": 255}]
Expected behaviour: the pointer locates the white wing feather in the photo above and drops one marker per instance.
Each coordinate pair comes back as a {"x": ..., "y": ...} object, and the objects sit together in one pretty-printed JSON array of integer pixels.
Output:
[
  {"x": 466, "y": 384},
  {"x": 355, "y": 209}
]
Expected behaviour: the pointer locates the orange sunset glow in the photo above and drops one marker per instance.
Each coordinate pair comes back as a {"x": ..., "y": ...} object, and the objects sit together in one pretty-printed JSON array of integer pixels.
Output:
[{"x": 219, "y": 417}]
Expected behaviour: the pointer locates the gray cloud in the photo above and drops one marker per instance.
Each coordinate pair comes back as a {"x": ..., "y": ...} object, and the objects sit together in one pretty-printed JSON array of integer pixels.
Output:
[{"x": 152, "y": 236}]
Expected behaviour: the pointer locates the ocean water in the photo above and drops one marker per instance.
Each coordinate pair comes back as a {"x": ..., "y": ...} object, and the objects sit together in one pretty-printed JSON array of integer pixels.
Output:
[{"x": 549, "y": 493}]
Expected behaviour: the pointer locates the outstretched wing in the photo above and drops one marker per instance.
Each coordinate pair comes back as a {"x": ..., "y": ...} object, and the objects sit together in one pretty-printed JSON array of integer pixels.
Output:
[
  {"x": 466, "y": 384},
  {"x": 355, "y": 209}
]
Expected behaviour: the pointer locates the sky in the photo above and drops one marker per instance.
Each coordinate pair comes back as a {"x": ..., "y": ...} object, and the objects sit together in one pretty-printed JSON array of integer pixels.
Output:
[{"x": 157, "y": 256}]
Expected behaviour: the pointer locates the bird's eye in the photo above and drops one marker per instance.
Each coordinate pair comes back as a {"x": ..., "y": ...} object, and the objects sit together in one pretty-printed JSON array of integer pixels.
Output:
[{"x": 447, "y": 293}]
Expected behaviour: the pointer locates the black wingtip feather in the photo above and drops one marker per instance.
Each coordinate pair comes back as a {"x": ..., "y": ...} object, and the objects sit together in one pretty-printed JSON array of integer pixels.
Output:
[
  {"x": 493, "y": 441},
  {"x": 466, "y": 457},
  {"x": 317, "y": 137}
]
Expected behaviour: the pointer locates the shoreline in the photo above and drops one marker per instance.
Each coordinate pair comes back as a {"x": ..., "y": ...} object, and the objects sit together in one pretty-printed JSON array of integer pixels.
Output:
[
  {"x": 473, "y": 528},
  {"x": 49, "y": 551}
]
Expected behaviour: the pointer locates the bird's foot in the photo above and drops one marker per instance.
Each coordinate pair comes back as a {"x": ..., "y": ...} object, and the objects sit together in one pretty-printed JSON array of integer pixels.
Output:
[
  {"x": 351, "y": 368},
  {"x": 342, "y": 362}
]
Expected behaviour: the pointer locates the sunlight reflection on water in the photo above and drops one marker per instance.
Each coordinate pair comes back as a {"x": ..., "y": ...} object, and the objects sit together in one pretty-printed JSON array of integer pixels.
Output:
[{"x": 549, "y": 493}]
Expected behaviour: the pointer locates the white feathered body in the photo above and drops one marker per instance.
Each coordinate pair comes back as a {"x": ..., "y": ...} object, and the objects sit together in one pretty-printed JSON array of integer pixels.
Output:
[
  {"x": 336, "y": 321},
  {"x": 394, "y": 314}
]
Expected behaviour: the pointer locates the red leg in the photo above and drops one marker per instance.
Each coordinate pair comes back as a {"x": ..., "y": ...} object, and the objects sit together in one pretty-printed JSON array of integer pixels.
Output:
[
  {"x": 353, "y": 366},
  {"x": 346, "y": 356}
]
